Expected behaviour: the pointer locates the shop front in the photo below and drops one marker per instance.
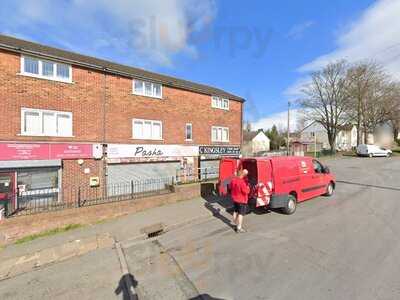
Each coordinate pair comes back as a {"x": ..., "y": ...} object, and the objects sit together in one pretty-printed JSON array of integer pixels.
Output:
[
  {"x": 210, "y": 157},
  {"x": 148, "y": 166},
  {"x": 31, "y": 173}
]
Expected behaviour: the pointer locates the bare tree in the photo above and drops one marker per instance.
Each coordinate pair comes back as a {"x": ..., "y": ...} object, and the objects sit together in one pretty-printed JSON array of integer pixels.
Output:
[
  {"x": 371, "y": 93},
  {"x": 325, "y": 99},
  {"x": 394, "y": 114}
]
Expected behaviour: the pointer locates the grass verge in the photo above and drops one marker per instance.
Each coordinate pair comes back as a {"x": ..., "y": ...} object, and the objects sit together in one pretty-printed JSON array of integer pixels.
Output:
[{"x": 46, "y": 233}]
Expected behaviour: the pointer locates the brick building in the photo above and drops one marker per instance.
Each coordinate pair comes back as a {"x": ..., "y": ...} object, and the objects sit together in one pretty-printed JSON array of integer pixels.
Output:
[{"x": 72, "y": 120}]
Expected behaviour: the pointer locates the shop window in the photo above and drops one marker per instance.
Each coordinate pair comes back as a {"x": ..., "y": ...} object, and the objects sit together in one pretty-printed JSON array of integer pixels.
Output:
[
  {"x": 147, "y": 129},
  {"x": 189, "y": 131},
  {"x": 219, "y": 134},
  {"x": 36, "y": 67},
  {"x": 38, "y": 122},
  {"x": 146, "y": 88},
  {"x": 41, "y": 179},
  {"x": 221, "y": 103}
]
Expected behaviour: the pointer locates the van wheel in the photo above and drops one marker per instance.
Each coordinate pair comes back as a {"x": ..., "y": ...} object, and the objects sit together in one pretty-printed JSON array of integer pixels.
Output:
[
  {"x": 291, "y": 205},
  {"x": 329, "y": 190}
]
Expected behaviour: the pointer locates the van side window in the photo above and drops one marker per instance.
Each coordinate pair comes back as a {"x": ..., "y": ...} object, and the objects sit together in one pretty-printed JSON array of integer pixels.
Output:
[{"x": 317, "y": 166}]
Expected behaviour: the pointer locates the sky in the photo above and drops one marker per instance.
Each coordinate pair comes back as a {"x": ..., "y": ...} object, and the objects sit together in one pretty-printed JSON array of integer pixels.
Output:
[{"x": 261, "y": 50}]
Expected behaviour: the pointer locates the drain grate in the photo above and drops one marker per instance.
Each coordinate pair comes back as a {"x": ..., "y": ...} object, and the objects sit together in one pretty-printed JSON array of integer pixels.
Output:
[
  {"x": 155, "y": 233},
  {"x": 153, "y": 230}
]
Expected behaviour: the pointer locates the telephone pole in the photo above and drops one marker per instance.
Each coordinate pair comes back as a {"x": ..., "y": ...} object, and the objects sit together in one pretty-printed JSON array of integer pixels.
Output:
[{"x": 288, "y": 130}]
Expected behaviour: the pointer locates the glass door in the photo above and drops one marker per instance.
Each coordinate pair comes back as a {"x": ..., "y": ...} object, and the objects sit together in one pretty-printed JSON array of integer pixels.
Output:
[{"x": 7, "y": 191}]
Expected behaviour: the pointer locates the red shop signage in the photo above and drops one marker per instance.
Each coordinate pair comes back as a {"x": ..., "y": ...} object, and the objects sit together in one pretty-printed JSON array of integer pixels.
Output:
[{"x": 25, "y": 151}]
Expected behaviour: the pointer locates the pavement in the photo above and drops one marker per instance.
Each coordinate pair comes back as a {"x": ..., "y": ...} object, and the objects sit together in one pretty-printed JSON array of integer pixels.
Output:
[{"x": 342, "y": 247}]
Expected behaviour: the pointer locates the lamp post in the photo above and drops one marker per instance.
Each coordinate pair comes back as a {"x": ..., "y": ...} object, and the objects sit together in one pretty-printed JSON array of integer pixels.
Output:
[{"x": 315, "y": 145}]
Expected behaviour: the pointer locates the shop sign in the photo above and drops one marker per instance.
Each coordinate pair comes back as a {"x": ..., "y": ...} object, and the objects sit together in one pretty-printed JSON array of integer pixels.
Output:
[
  {"x": 151, "y": 151},
  {"x": 26, "y": 151},
  {"x": 219, "y": 150}
]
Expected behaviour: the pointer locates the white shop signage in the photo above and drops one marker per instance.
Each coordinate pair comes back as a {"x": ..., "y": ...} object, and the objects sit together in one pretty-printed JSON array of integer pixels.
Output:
[{"x": 126, "y": 151}]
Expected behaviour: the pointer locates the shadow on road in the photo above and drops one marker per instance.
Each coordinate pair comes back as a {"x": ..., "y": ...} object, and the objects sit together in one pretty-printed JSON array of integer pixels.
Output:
[{"x": 126, "y": 286}]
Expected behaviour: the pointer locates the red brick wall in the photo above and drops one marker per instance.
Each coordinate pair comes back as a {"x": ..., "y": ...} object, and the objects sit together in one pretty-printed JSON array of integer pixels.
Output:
[
  {"x": 84, "y": 98},
  {"x": 177, "y": 108},
  {"x": 73, "y": 177}
]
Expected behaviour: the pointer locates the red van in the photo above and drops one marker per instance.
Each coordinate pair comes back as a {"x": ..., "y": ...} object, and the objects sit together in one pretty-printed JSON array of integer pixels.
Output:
[{"x": 279, "y": 182}]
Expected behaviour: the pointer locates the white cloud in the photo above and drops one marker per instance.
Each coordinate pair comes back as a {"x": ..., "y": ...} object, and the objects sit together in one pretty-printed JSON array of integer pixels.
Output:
[
  {"x": 374, "y": 36},
  {"x": 149, "y": 30},
  {"x": 297, "y": 31},
  {"x": 280, "y": 120}
]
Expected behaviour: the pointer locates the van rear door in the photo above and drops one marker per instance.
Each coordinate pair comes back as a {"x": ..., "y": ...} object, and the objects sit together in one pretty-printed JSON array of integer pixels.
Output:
[{"x": 227, "y": 170}]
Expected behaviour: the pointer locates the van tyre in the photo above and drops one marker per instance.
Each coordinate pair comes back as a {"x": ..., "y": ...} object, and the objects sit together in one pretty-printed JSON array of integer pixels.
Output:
[
  {"x": 329, "y": 190},
  {"x": 291, "y": 205}
]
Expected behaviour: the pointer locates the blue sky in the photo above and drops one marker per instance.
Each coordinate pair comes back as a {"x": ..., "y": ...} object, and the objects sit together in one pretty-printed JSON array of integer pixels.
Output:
[{"x": 260, "y": 50}]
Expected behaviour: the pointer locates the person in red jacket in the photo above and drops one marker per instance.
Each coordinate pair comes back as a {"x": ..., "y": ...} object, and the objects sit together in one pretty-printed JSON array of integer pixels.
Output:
[{"x": 240, "y": 192}]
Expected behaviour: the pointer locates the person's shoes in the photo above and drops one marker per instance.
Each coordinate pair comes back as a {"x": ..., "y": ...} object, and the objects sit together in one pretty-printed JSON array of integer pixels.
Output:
[
  {"x": 240, "y": 230},
  {"x": 234, "y": 226}
]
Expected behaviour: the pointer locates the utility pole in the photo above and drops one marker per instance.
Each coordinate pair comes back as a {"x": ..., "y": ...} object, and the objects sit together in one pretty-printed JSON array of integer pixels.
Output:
[
  {"x": 288, "y": 130},
  {"x": 315, "y": 145}
]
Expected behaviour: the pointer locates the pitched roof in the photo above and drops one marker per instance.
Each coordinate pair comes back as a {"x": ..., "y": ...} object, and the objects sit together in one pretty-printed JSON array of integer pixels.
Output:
[
  {"x": 27, "y": 47},
  {"x": 250, "y": 135}
]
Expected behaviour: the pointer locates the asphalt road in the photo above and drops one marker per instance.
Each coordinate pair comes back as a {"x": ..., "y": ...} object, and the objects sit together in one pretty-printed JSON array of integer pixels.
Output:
[
  {"x": 340, "y": 247},
  {"x": 343, "y": 247}
]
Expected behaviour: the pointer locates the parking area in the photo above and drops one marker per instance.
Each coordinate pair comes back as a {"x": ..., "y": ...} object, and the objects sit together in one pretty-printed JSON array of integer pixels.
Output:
[{"x": 343, "y": 247}]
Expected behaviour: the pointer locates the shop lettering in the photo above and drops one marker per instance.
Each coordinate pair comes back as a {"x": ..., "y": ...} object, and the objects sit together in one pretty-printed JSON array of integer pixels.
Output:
[
  {"x": 140, "y": 151},
  {"x": 219, "y": 150}
]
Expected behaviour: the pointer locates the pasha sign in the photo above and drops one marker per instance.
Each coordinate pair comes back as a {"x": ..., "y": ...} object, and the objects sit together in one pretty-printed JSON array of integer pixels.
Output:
[
  {"x": 219, "y": 150},
  {"x": 26, "y": 151},
  {"x": 126, "y": 151}
]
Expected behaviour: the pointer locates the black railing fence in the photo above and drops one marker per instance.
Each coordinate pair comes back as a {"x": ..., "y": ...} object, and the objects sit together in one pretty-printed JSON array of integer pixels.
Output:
[{"x": 58, "y": 199}]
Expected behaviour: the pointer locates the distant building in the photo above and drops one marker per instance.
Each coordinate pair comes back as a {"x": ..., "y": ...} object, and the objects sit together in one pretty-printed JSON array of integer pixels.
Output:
[
  {"x": 255, "y": 142},
  {"x": 346, "y": 138}
]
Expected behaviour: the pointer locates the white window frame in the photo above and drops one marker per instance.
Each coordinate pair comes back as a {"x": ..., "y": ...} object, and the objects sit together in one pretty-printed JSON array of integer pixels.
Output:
[
  {"x": 152, "y": 124},
  {"x": 40, "y": 63},
  {"x": 222, "y": 129},
  {"x": 191, "y": 132},
  {"x": 144, "y": 89},
  {"x": 219, "y": 102},
  {"x": 41, "y": 112}
]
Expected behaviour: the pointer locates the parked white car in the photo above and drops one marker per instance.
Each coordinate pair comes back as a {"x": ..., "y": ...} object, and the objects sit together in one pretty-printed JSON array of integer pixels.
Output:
[{"x": 373, "y": 150}]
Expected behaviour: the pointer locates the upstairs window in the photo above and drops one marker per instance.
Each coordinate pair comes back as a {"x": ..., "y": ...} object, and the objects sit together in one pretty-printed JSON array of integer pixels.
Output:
[
  {"x": 189, "y": 131},
  {"x": 218, "y": 102},
  {"x": 146, "y": 88},
  {"x": 37, "y": 122},
  {"x": 40, "y": 68},
  {"x": 147, "y": 129},
  {"x": 219, "y": 134}
]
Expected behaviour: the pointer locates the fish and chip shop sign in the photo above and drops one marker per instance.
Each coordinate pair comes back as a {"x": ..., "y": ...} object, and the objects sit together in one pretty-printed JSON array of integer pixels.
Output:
[
  {"x": 150, "y": 151},
  {"x": 219, "y": 151}
]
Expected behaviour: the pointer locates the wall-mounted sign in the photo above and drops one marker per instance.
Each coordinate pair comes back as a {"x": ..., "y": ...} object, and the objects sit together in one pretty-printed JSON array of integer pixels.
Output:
[
  {"x": 126, "y": 151},
  {"x": 26, "y": 151},
  {"x": 219, "y": 150}
]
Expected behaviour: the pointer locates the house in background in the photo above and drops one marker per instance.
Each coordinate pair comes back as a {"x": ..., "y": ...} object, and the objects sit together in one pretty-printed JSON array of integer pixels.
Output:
[
  {"x": 346, "y": 138},
  {"x": 255, "y": 142},
  {"x": 315, "y": 134}
]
